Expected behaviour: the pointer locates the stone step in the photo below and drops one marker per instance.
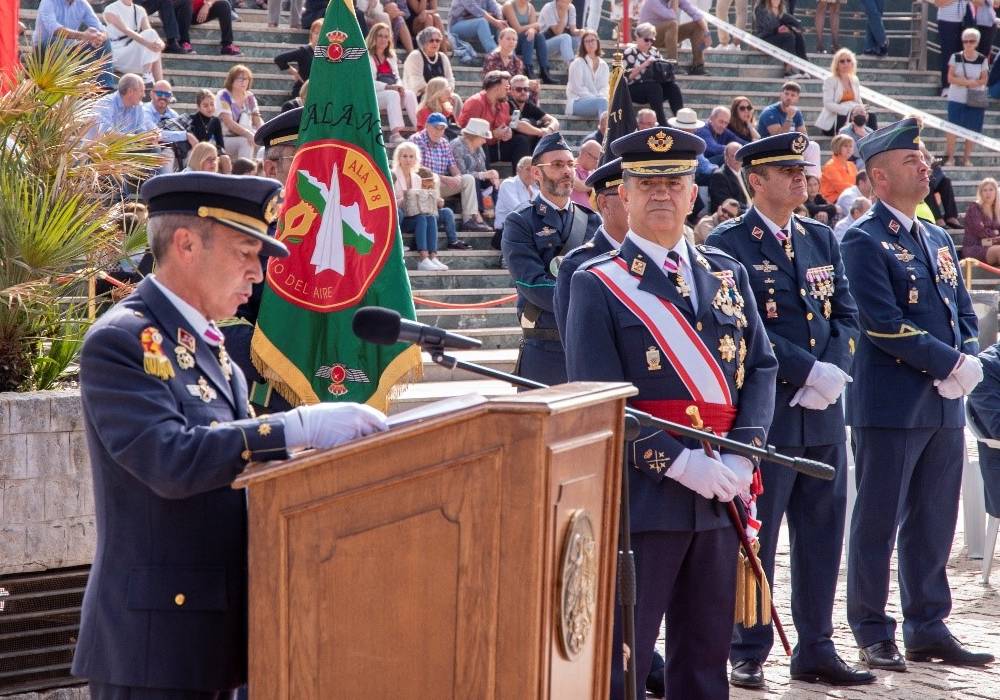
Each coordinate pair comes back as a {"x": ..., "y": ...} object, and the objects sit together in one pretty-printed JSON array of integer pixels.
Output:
[
  {"x": 460, "y": 259},
  {"x": 503, "y": 360},
  {"x": 468, "y": 295},
  {"x": 485, "y": 279},
  {"x": 467, "y": 319}
]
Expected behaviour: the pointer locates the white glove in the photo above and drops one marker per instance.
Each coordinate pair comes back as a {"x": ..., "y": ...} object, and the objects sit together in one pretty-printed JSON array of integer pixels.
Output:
[
  {"x": 742, "y": 467},
  {"x": 968, "y": 372},
  {"x": 828, "y": 379},
  {"x": 808, "y": 397},
  {"x": 325, "y": 425},
  {"x": 949, "y": 388},
  {"x": 707, "y": 477}
]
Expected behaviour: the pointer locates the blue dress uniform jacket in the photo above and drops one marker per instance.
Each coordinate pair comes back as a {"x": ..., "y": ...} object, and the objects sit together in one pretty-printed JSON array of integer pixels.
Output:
[
  {"x": 984, "y": 407},
  {"x": 914, "y": 322},
  {"x": 165, "y": 605},
  {"x": 792, "y": 299},
  {"x": 607, "y": 342},
  {"x": 533, "y": 238},
  {"x": 600, "y": 244}
]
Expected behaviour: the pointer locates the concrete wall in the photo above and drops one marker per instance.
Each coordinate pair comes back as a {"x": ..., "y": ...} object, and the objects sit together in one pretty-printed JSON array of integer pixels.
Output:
[{"x": 46, "y": 498}]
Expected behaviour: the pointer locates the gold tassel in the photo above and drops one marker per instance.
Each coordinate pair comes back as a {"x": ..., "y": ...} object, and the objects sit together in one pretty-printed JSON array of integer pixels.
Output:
[
  {"x": 765, "y": 601},
  {"x": 750, "y": 612},
  {"x": 740, "y": 566}
]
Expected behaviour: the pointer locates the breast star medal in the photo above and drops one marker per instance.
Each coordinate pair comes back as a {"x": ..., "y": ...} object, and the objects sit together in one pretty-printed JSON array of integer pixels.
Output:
[
  {"x": 184, "y": 351},
  {"x": 653, "y": 359},
  {"x": 727, "y": 348},
  {"x": 225, "y": 363}
]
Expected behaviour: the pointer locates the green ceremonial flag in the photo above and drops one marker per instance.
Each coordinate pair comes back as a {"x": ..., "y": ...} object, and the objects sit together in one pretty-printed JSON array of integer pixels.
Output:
[{"x": 339, "y": 221}]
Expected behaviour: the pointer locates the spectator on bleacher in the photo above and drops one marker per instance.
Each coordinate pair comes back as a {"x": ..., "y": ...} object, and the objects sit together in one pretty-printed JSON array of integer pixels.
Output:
[
  {"x": 436, "y": 156},
  {"x": 244, "y": 166},
  {"x": 841, "y": 92},
  {"x": 532, "y": 121},
  {"x": 237, "y": 109},
  {"x": 471, "y": 158},
  {"x": 557, "y": 22},
  {"x": 516, "y": 190},
  {"x": 727, "y": 209},
  {"x": 423, "y": 14},
  {"x": 645, "y": 118},
  {"x": 941, "y": 198},
  {"x": 522, "y": 17},
  {"x": 298, "y": 61},
  {"x": 503, "y": 58},
  {"x": 722, "y": 12},
  {"x": 274, "y": 12},
  {"x": 857, "y": 128},
  {"x": 876, "y": 42},
  {"x": 986, "y": 23},
  {"x": 833, "y": 6},
  {"x": 726, "y": 182},
  {"x": 427, "y": 62},
  {"x": 297, "y": 101},
  {"x": 862, "y": 187},
  {"x": 173, "y": 131},
  {"x": 313, "y": 10},
  {"x": 587, "y": 85},
  {"x": 392, "y": 96},
  {"x": 415, "y": 201},
  {"x": 175, "y": 16},
  {"x": 602, "y": 128},
  {"x": 587, "y": 160},
  {"x": 490, "y": 104},
  {"x": 437, "y": 98},
  {"x": 135, "y": 45},
  {"x": 859, "y": 206},
  {"x": 207, "y": 10},
  {"x": 122, "y": 111},
  {"x": 716, "y": 134},
  {"x": 204, "y": 126},
  {"x": 818, "y": 206},
  {"x": 687, "y": 120},
  {"x": 390, "y": 13},
  {"x": 638, "y": 58},
  {"x": 784, "y": 115},
  {"x": 950, "y": 17},
  {"x": 204, "y": 158},
  {"x": 839, "y": 172},
  {"x": 477, "y": 19},
  {"x": 741, "y": 121},
  {"x": 670, "y": 32},
  {"x": 967, "y": 70},
  {"x": 775, "y": 26},
  {"x": 59, "y": 18},
  {"x": 982, "y": 225}
]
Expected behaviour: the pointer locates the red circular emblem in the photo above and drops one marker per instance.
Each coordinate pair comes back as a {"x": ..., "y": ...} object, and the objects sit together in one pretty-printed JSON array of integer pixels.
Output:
[
  {"x": 338, "y": 374},
  {"x": 334, "y": 52},
  {"x": 338, "y": 221}
]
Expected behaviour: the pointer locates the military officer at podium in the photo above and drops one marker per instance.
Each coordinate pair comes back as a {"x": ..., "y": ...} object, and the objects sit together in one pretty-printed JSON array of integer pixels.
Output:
[
  {"x": 168, "y": 429},
  {"x": 678, "y": 322},
  {"x": 535, "y": 239},
  {"x": 279, "y": 137},
  {"x": 915, "y": 362},
  {"x": 802, "y": 295}
]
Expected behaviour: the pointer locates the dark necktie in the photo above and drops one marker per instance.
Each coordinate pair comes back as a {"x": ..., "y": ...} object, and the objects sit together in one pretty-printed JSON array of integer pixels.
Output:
[{"x": 673, "y": 267}]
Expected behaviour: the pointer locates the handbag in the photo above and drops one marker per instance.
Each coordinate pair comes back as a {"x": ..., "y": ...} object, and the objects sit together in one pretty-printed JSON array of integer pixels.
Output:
[
  {"x": 387, "y": 78},
  {"x": 974, "y": 97},
  {"x": 417, "y": 202},
  {"x": 659, "y": 71}
]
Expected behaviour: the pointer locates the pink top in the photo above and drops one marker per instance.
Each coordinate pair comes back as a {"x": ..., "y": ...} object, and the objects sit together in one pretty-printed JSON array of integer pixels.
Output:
[{"x": 581, "y": 197}]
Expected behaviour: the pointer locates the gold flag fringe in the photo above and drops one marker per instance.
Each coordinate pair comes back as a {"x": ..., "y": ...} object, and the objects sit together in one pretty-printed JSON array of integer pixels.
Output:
[{"x": 747, "y": 589}]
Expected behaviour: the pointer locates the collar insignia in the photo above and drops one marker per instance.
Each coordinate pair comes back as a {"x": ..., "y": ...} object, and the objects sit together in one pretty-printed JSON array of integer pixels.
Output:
[
  {"x": 894, "y": 226},
  {"x": 757, "y": 232}
]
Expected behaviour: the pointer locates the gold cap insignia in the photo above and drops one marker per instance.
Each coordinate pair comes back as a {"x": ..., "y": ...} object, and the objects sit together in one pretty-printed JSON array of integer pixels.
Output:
[
  {"x": 271, "y": 210},
  {"x": 799, "y": 145},
  {"x": 660, "y": 142}
]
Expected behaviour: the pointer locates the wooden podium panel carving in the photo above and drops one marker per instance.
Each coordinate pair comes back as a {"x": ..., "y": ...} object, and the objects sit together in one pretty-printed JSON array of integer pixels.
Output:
[{"x": 471, "y": 555}]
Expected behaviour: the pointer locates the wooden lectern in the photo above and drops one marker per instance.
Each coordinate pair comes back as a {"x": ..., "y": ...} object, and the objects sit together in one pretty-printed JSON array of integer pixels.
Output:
[{"x": 468, "y": 556}]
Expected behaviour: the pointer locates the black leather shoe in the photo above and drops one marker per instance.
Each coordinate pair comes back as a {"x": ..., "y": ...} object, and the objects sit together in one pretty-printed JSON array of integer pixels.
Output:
[
  {"x": 950, "y": 651},
  {"x": 833, "y": 671},
  {"x": 747, "y": 674},
  {"x": 884, "y": 655}
]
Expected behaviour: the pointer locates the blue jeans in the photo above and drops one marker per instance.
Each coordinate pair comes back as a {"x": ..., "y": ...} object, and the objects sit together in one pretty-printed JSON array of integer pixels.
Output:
[
  {"x": 875, "y": 36},
  {"x": 527, "y": 50},
  {"x": 446, "y": 218},
  {"x": 478, "y": 28},
  {"x": 588, "y": 106},
  {"x": 424, "y": 229},
  {"x": 564, "y": 44}
]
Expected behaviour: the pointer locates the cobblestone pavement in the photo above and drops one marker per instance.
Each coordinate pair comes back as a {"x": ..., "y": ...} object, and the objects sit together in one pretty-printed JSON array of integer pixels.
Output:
[{"x": 975, "y": 620}]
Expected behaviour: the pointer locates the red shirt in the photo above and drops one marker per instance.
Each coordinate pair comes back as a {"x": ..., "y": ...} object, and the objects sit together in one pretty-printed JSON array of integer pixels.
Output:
[{"x": 479, "y": 106}]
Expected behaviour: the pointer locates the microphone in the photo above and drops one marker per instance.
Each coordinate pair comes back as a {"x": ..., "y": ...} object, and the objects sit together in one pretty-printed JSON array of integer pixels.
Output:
[{"x": 382, "y": 326}]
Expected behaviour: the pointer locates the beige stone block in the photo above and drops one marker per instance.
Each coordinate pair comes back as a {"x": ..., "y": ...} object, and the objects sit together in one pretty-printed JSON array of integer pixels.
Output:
[
  {"x": 30, "y": 412},
  {"x": 66, "y": 412},
  {"x": 63, "y": 499},
  {"x": 46, "y": 544},
  {"x": 79, "y": 455},
  {"x": 24, "y": 501},
  {"x": 13, "y": 456},
  {"x": 48, "y": 455},
  {"x": 81, "y": 541},
  {"x": 13, "y": 541},
  {"x": 5, "y": 412}
]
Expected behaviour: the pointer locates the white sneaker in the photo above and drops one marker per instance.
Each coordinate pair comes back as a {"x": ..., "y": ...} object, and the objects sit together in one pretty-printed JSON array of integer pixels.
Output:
[
  {"x": 427, "y": 265},
  {"x": 148, "y": 78},
  {"x": 440, "y": 265}
]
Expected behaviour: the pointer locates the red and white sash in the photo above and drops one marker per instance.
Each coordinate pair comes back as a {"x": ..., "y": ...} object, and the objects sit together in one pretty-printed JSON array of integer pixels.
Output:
[{"x": 690, "y": 358}]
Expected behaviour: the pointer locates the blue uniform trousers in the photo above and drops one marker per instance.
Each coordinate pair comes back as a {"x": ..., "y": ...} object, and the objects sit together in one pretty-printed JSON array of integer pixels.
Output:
[
  {"x": 543, "y": 361},
  {"x": 815, "y": 511},
  {"x": 681, "y": 573},
  {"x": 908, "y": 480}
]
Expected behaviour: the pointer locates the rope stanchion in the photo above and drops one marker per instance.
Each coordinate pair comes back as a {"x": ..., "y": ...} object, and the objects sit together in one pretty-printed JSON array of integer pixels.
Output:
[
  {"x": 970, "y": 263},
  {"x": 477, "y": 305}
]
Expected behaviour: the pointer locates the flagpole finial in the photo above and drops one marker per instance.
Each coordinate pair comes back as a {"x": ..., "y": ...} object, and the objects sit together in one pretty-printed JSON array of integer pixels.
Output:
[{"x": 618, "y": 59}]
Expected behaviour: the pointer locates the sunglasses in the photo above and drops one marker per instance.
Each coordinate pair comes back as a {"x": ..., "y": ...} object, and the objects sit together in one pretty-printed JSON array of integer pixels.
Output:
[
  {"x": 163, "y": 93},
  {"x": 745, "y": 108},
  {"x": 559, "y": 164},
  {"x": 520, "y": 89},
  {"x": 845, "y": 60},
  {"x": 645, "y": 38},
  {"x": 433, "y": 41},
  {"x": 970, "y": 41}
]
